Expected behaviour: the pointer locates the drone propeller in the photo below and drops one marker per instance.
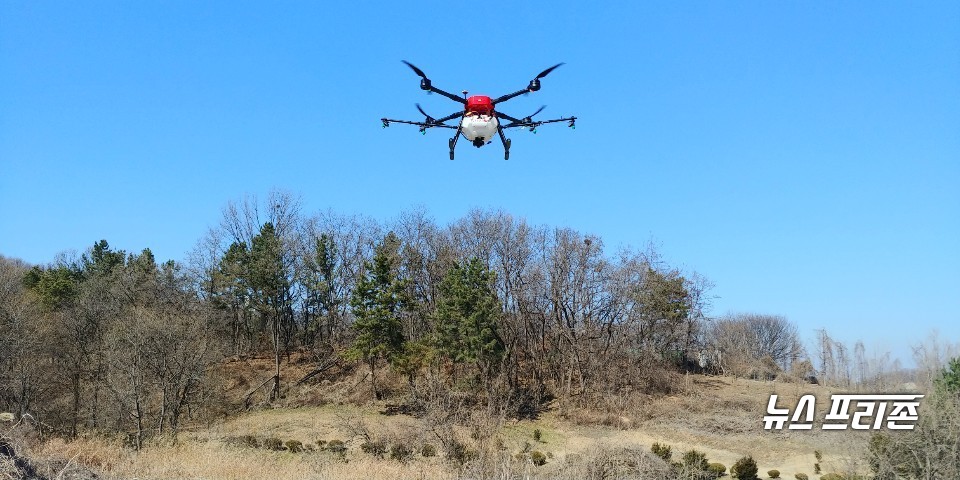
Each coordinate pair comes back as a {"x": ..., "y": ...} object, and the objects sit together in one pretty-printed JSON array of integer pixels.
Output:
[
  {"x": 424, "y": 81},
  {"x": 529, "y": 119},
  {"x": 532, "y": 87},
  {"x": 415, "y": 69},
  {"x": 535, "y": 83},
  {"x": 425, "y": 114},
  {"x": 547, "y": 71}
]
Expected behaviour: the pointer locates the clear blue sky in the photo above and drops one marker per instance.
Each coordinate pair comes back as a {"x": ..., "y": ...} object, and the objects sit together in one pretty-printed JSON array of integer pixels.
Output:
[{"x": 804, "y": 156}]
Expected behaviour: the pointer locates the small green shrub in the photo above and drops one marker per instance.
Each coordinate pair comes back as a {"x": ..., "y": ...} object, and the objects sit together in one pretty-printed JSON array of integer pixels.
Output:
[
  {"x": 321, "y": 444},
  {"x": 662, "y": 451},
  {"x": 428, "y": 450},
  {"x": 337, "y": 446},
  {"x": 773, "y": 473},
  {"x": 695, "y": 460},
  {"x": 526, "y": 447},
  {"x": 744, "y": 469},
  {"x": 401, "y": 452},
  {"x": 377, "y": 449},
  {"x": 294, "y": 446},
  {"x": 816, "y": 468},
  {"x": 537, "y": 434},
  {"x": 801, "y": 476},
  {"x": 538, "y": 458},
  {"x": 273, "y": 444},
  {"x": 832, "y": 476},
  {"x": 717, "y": 469}
]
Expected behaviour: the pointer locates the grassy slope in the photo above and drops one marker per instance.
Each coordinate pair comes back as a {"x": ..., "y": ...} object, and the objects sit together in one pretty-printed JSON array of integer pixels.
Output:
[{"x": 716, "y": 415}]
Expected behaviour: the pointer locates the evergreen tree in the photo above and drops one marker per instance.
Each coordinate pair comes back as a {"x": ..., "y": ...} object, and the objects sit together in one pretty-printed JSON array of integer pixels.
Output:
[
  {"x": 321, "y": 303},
  {"x": 467, "y": 317},
  {"x": 270, "y": 286},
  {"x": 378, "y": 303}
]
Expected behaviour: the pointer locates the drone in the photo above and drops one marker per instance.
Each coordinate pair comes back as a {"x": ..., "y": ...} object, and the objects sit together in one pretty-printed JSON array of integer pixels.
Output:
[{"x": 479, "y": 118}]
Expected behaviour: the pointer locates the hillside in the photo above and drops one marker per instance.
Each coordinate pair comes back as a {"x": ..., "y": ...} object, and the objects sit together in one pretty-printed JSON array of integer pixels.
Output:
[{"x": 716, "y": 415}]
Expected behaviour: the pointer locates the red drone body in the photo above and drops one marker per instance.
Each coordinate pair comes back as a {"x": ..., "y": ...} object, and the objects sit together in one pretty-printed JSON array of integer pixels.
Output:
[
  {"x": 480, "y": 104},
  {"x": 478, "y": 121}
]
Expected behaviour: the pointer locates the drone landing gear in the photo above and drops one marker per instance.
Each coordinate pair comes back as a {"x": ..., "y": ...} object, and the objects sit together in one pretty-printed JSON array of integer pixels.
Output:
[
  {"x": 453, "y": 141},
  {"x": 506, "y": 143}
]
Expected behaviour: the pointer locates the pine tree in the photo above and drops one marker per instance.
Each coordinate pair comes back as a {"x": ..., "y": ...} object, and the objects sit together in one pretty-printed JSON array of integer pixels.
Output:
[
  {"x": 378, "y": 303},
  {"x": 467, "y": 318}
]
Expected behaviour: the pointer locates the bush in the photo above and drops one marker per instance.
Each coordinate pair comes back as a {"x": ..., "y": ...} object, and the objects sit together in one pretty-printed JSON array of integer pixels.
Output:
[
  {"x": 538, "y": 458},
  {"x": 428, "y": 450},
  {"x": 377, "y": 449},
  {"x": 337, "y": 446},
  {"x": 832, "y": 476},
  {"x": 662, "y": 451},
  {"x": 401, "y": 452},
  {"x": 695, "y": 460},
  {"x": 249, "y": 441},
  {"x": 801, "y": 476},
  {"x": 717, "y": 469},
  {"x": 321, "y": 444},
  {"x": 537, "y": 434},
  {"x": 459, "y": 453},
  {"x": 273, "y": 444},
  {"x": 294, "y": 446},
  {"x": 773, "y": 473},
  {"x": 744, "y": 469}
]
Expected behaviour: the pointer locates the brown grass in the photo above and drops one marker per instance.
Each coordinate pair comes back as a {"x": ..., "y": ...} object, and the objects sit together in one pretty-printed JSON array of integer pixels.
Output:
[{"x": 719, "y": 416}]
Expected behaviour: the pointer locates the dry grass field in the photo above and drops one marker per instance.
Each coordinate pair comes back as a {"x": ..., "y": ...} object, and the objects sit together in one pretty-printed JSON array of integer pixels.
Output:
[{"x": 716, "y": 415}]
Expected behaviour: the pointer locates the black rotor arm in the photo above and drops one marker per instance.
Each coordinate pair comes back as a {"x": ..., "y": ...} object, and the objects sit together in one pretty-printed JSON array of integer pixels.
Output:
[
  {"x": 423, "y": 125},
  {"x": 453, "y": 115},
  {"x": 532, "y": 87},
  {"x": 426, "y": 84},
  {"x": 508, "y": 117},
  {"x": 534, "y": 124}
]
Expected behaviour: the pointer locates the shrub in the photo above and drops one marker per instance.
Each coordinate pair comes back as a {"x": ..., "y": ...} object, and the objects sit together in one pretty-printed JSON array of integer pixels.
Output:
[
  {"x": 322, "y": 444},
  {"x": 337, "y": 446},
  {"x": 695, "y": 460},
  {"x": 717, "y": 469},
  {"x": 428, "y": 450},
  {"x": 744, "y": 469},
  {"x": 401, "y": 452},
  {"x": 832, "y": 476},
  {"x": 249, "y": 441},
  {"x": 537, "y": 434},
  {"x": 459, "y": 453},
  {"x": 377, "y": 449},
  {"x": 801, "y": 476},
  {"x": 662, "y": 451},
  {"x": 273, "y": 444},
  {"x": 773, "y": 473},
  {"x": 295, "y": 446},
  {"x": 538, "y": 458}
]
